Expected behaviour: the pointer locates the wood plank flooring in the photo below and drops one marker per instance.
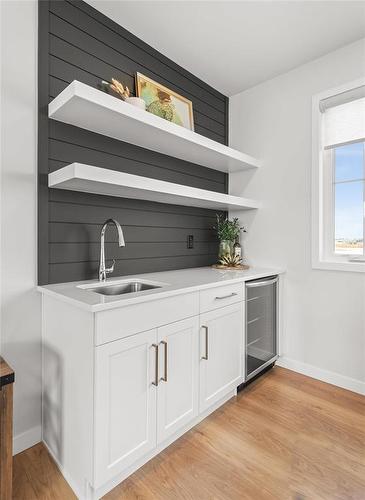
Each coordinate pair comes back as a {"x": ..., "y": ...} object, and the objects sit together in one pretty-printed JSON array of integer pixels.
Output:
[{"x": 286, "y": 436}]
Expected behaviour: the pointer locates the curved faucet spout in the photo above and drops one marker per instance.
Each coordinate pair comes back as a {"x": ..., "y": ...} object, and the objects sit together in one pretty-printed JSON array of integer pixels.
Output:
[
  {"x": 103, "y": 271},
  {"x": 121, "y": 241}
]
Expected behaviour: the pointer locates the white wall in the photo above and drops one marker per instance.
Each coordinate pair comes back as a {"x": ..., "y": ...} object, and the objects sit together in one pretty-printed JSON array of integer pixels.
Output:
[
  {"x": 20, "y": 303},
  {"x": 324, "y": 319}
]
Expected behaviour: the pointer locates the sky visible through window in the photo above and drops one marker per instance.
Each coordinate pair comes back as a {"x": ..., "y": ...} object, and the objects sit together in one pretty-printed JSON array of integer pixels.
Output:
[{"x": 349, "y": 198}]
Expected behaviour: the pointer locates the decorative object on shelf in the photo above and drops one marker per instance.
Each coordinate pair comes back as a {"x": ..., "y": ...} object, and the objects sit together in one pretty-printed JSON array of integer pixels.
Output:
[
  {"x": 230, "y": 250},
  {"x": 117, "y": 87},
  {"x": 165, "y": 103},
  {"x": 136, "y": 101},
  {"x": 123, "y": 93}
]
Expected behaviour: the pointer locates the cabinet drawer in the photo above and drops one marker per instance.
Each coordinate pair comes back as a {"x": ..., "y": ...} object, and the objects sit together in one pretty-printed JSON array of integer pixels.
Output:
[
  {"x": 118, "y": 323},
  {"x": 220, "y": 296}
]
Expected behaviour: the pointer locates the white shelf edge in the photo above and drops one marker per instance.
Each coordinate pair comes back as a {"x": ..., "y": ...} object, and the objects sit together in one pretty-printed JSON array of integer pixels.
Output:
[
  {"x": 86, "y": 107},
  {"x": 96, "y": 180}
]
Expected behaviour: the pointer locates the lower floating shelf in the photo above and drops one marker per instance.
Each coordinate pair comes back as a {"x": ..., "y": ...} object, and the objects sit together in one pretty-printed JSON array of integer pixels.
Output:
[{"x": 89, "y": 179}]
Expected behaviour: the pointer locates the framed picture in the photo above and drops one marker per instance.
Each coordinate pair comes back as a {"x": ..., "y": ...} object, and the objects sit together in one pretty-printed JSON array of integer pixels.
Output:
[{"x": 165, "y": 103}]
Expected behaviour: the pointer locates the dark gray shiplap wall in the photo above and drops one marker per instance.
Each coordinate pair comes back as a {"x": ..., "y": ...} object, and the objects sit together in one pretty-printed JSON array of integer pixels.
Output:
[{"x": 78, "y": 42}]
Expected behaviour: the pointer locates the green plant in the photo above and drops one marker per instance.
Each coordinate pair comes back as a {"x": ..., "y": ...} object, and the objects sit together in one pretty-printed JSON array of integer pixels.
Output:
[{"x": 228, "y": 229}]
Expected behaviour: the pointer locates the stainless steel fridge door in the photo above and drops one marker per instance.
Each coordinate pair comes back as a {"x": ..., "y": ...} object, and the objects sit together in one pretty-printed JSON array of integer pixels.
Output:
[{"x": 261, "y": 325}]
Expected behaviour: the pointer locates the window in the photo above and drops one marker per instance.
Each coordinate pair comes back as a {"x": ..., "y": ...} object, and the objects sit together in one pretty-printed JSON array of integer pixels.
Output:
[
  {"x": 338, "y": 179},
  {"x": 348, "y": 189}
]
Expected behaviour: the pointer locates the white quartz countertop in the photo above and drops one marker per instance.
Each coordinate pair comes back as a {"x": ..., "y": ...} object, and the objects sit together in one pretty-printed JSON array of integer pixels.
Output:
[{"x": 173, "y": 283}]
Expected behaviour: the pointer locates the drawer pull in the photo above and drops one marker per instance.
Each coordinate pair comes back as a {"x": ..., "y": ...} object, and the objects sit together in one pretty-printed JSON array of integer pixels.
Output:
[
  {"x": 156, "y": 365},
  {"x": 206, "y": 343},
  {"x": 233, "y": 294},
  {"x": 164, "y": 378}
]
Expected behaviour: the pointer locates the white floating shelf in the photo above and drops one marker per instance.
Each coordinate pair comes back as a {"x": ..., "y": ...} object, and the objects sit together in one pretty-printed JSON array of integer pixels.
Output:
[
  {"x": 89, "y": 179},
  {"x": 91, "y": 109}
]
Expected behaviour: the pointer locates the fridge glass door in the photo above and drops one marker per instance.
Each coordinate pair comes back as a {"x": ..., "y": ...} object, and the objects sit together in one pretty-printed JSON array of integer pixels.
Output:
[{"x": 261, "y": 324}]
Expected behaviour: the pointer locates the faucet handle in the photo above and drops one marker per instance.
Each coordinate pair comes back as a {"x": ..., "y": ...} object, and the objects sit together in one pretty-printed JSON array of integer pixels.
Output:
[{"x": 110, "y": 269}]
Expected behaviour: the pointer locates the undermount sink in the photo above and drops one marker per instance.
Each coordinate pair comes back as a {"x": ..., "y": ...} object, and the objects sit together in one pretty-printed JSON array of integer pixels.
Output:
[
  {"x": 132, "y": 287},
  {"x": 121, "y": 288}
]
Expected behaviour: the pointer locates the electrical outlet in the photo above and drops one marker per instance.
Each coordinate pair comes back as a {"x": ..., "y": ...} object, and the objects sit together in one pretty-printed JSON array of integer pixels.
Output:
[{"x": 190, "y": 241}]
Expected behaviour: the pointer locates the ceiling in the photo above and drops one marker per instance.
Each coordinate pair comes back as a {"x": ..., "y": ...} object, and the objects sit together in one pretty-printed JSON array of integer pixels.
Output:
[{"x": 234, "y": 45}]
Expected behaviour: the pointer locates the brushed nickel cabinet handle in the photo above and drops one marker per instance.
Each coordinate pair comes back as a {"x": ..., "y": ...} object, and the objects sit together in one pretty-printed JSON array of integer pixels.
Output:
[
  {"x": 206, "y": 343},
  {"x": 164, "y": 343},
  {"x": 233, "y": 294},
  {"x": 156, "y": 365}
]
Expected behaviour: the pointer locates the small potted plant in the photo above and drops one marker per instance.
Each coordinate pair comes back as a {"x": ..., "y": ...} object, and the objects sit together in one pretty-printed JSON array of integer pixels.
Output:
[{"x": 228, "y": 232}]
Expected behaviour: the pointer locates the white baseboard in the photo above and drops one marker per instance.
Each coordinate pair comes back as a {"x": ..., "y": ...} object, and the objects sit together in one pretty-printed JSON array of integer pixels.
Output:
[
  {"x": 27, "y": 439},
  {"x": 333, "y": 378},
  {"x": 65, "y": 474}
]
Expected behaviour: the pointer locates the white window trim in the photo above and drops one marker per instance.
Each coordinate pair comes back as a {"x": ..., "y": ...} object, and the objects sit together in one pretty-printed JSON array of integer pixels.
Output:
[{"x": 320, "y": 213}]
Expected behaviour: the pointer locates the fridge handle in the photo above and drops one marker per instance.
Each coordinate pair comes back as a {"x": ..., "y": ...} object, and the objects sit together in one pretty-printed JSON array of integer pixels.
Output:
[{"x": 254, "y": 284}]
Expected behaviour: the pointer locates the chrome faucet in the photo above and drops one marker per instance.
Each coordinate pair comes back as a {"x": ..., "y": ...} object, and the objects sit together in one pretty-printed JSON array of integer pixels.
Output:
[{"x": 103, "y": 271}]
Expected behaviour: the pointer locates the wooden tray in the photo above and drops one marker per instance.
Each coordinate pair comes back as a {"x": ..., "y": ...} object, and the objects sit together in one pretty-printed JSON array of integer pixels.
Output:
[{"x": 241, "y": 267}]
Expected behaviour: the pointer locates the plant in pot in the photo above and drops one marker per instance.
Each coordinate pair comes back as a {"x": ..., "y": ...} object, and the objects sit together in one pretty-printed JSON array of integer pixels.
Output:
[{"x": 228, "y": 231}]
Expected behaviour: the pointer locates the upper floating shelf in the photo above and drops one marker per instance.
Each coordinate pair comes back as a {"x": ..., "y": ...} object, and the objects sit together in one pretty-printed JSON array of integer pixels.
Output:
[
  {"x": 90, "y": 179},
  {"x": 85, "y": 107}
]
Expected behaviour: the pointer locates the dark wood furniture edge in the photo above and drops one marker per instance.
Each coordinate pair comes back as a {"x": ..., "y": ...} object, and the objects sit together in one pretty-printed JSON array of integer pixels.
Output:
[
  {"x": 6, "y": 430},
  {"x": 7, "y": 375}
]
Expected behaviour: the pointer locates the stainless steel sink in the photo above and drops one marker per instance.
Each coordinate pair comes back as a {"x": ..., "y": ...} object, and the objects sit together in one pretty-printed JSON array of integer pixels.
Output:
[{"x": 121, "y": 288}]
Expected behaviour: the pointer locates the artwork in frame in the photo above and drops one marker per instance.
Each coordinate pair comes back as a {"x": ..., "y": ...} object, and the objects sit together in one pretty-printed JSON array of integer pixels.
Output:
[{"x": 164, "y": 102}]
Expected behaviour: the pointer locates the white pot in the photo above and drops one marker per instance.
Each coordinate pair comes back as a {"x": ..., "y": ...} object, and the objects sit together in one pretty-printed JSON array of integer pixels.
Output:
[{"x": 136, "y": 101}]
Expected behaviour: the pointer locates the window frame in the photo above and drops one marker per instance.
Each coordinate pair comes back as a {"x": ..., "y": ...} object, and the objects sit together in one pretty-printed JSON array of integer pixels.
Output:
[{"x": 323, "y": 199}]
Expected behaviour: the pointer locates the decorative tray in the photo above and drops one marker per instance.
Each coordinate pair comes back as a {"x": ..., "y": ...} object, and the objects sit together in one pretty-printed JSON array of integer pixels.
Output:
[{"x": 240, "y": 267}]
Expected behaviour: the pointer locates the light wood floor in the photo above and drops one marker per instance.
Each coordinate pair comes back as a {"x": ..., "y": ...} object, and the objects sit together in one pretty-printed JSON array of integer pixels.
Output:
[{"x": 285, "y": 437}]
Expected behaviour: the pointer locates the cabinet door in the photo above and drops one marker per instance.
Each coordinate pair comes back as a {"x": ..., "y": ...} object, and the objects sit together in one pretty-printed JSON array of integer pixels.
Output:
[
  {"x": 125, "y": 403},
  {"x": 177, "y": 395},
  {"x": 221, "y": 344}
]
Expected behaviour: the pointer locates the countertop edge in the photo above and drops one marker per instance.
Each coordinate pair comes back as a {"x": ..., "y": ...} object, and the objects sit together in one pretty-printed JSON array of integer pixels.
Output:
[
  {"x": 60, "y": 296},
  {"x": 155, "y": 296}
]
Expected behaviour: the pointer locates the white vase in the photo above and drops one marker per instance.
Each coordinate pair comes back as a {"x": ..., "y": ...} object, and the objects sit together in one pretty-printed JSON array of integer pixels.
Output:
[{"x": 136, "y": 101}]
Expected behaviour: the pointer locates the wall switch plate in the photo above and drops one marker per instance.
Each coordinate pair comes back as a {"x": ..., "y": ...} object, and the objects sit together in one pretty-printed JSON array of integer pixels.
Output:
[{"x": 190, "y": 241}]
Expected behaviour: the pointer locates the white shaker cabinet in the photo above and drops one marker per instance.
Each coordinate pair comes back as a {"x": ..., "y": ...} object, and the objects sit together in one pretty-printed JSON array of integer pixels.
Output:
[
  {"x": 177, "y": 395},
  {"x": 121, "y": 384},
  {"x": 125, "y": 403},
  {"x": 221, "y": 343},
  {"x": 146, "y": 389}
]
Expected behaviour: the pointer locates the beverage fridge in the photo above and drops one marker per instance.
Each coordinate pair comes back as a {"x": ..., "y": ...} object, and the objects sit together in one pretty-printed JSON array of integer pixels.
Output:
[{"x": 261, "y": 329}]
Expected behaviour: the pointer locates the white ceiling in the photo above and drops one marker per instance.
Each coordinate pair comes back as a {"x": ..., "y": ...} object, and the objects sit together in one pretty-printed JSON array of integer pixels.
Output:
[{"x": 234, "y": 45}]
